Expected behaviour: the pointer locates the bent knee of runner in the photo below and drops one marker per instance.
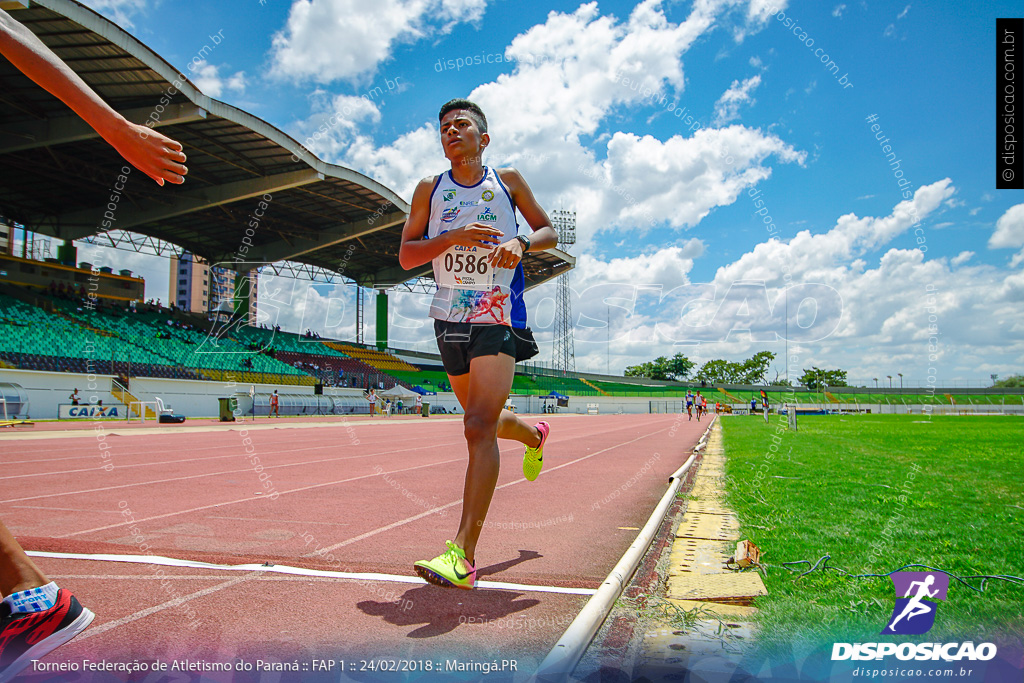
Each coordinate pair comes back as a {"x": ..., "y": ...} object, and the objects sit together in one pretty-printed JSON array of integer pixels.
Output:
[{"x": 479, "y": 429}]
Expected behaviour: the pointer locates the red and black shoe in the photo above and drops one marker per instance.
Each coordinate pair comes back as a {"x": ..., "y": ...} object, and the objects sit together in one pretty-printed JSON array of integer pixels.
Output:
[{"x": 24, "y": 637}]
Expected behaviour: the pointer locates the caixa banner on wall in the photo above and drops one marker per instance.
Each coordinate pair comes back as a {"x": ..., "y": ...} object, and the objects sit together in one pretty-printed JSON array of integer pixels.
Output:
[{"x": 114, "y": 411}]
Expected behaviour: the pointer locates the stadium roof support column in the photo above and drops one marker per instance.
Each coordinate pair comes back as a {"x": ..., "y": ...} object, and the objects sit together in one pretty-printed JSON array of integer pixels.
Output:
[{"x": 382, "y": 319}]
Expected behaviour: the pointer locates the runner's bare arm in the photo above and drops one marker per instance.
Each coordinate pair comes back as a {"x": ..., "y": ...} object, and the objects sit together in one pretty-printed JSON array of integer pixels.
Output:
[
  {"x": 416, "y": 250},
  {"x": 153, "y": 153},
  {"x": 544, "y": 236}
]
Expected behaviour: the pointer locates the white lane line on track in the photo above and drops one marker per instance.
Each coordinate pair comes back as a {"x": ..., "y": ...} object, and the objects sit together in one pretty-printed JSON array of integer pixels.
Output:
[
  {"x": 250, "y": 499},
  {"x": 279, "y": 521},
  {"x": 390, "y": 442},
  {"x": 247, "y": 469},
  {"x": 43, "y": 507},
  {"x": 247, "y": 425},
  {"x": 205, "y": 459},
  {"x": 202, "y": 429},
  {"x": 110, "y": 625},
  {"x": 456, "y": 502},
  {"x": 257, "y": 569},
  {"x": 289, "y": 438},
  {"x": 313, "y": 486},
  {"x": 214, "y": 474}
]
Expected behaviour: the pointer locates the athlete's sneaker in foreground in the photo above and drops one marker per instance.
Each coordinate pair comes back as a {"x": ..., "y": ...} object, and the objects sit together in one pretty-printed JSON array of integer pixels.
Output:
[
  {"x": 449, "y": 569},
  {"x": 533, "y": 459},
  {"x": 24, "y": 637}
]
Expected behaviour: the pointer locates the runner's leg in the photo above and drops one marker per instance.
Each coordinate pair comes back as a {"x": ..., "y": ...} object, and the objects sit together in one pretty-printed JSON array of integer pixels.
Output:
[
  {"x": 490, "y": 378},
  {"x": 17, "y": 570},
  {"x": 510, "y": 425}
]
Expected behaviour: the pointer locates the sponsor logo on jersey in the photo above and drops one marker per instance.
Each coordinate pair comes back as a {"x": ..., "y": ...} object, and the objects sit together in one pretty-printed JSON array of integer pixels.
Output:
[
  {"x": 487, "y": 195},
  {"x": 467, "y": 203},
  {"x": 449, "y": 195},
  {"x": 487, "y": 215},
  {"x": 449, "y": 214}
]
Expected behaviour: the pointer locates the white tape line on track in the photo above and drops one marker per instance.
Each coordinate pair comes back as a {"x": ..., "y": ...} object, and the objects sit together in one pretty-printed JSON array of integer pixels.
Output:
[{"x": 284, "y": 569}]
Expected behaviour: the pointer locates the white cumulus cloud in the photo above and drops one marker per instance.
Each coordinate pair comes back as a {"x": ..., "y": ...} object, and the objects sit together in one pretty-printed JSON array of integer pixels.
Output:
[{"x": 330, "y": 40}]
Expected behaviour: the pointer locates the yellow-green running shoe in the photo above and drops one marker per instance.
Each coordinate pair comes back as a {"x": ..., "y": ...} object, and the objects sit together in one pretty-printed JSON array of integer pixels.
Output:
[
  {"x": 450, "y": 569},
  {"x": 533, "y": 459}
]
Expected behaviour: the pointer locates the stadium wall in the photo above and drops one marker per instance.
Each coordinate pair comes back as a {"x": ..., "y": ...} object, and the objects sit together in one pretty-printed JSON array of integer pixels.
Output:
[{"x": 47, "y": 391}]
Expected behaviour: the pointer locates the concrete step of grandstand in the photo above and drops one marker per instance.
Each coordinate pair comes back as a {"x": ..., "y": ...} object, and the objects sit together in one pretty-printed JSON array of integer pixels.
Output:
[
  {"x": 381, "y": 360},
  {"x": 127, "y": 398},
  {"x": 731, "y": 397},
  {"x": 595, "y": 387},
  {"x": 256, "y": 377}
]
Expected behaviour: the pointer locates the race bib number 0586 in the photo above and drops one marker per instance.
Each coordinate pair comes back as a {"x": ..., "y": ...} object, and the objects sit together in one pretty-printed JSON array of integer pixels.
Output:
[{"x": 466, "y": 268}]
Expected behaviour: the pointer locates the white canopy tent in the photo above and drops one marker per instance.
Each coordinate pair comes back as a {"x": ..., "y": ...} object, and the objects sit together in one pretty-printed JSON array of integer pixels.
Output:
[{"x": 398, "y": 391}]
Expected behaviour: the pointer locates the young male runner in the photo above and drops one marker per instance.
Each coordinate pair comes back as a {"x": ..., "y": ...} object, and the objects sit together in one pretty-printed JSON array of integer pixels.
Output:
[
  {"x": 463, "y": 221},
  {"x": 36, "y": 616}
]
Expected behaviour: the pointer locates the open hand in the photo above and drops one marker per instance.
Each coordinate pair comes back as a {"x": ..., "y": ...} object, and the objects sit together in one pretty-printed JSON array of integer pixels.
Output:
[
  {"x": 508, "y": 255},
  {"x": 152, "y": 152}
]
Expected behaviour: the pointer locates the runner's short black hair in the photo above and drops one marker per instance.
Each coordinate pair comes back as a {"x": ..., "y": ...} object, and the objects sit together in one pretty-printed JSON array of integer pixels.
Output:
[{"x": 474, "y": 110}]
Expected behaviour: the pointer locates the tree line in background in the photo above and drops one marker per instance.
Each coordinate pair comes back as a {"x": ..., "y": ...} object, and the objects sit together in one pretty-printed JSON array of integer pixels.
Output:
[{"x": 753, "y": 370}]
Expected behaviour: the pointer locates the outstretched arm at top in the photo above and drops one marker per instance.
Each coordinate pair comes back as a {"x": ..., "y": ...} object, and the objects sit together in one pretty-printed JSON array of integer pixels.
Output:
[{"x": 153, "y": 153}]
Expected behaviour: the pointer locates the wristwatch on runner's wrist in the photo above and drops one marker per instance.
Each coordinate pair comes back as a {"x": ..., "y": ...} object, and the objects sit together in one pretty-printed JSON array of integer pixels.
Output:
[{"x": 525, "y": 241}]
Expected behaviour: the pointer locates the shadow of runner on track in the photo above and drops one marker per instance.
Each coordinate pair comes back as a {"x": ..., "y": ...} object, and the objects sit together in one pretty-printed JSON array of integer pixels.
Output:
[
  {"x": 524, "y": 555},
  {"x": 441, "y": 610}
]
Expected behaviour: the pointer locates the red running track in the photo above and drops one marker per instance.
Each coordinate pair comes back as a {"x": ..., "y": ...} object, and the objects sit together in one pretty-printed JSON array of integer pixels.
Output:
[{"x": 359, "y": 496}]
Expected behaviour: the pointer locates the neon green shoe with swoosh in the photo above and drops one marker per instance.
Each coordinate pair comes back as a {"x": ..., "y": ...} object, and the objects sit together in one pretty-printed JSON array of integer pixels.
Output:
[
  {"x": 450, "y": 569},
  {"x": 533, "y": 458}
]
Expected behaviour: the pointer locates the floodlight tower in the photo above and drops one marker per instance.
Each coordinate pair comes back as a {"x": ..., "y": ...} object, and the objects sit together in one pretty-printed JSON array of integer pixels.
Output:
[{"x": 563, "y": 356}]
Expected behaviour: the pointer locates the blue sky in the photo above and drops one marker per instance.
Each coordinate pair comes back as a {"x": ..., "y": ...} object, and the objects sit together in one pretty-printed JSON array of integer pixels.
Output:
[{"x": 661, "y": 202}]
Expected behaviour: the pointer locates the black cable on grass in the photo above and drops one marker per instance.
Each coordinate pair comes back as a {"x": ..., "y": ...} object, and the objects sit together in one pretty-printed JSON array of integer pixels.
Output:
[{"x": 843, "y": 572}]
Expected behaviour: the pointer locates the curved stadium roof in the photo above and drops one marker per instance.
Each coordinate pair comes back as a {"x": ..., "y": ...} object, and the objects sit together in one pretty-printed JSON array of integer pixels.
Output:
[{"x": 56, "y": 174}]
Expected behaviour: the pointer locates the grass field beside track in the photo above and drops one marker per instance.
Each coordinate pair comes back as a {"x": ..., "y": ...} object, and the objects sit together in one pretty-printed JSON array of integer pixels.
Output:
[{"x": 834, "y": 485}]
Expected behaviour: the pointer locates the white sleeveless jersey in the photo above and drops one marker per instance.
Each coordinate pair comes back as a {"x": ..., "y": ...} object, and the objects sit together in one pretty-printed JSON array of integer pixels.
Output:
[{"x": 469, "y": 290}]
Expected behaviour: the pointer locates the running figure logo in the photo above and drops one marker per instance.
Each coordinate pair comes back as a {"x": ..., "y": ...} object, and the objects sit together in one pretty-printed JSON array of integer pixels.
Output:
[{"x": 914, "y": 612}]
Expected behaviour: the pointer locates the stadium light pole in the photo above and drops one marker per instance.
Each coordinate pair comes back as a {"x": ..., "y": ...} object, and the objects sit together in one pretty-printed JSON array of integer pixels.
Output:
[
  {"x": 901, "y": 382},
  {"x": 890, "y": 381},
  {"x": 876, "y": 382}
]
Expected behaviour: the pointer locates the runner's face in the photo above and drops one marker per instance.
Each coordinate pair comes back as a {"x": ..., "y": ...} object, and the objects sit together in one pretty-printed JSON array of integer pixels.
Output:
[{"x": 460, "y": 136}]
